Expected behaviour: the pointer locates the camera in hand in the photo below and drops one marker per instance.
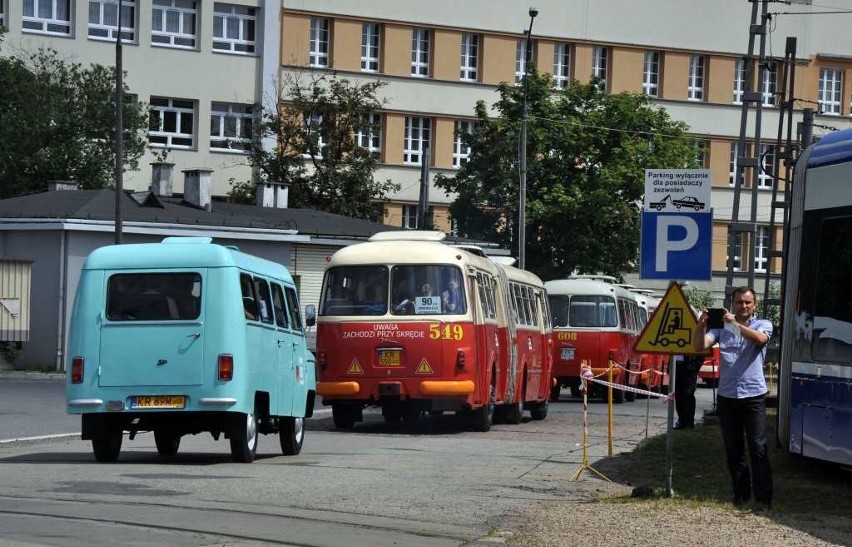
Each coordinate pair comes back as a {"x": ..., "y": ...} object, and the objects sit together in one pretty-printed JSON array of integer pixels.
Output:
[{"x": 716, "y": 318}]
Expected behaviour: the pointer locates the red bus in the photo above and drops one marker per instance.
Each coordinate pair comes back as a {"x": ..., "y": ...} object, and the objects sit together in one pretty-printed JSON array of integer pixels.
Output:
[
  {"x": 654, "y": 367},
  {"x": 412, "y": 325},
  {"x": 594, "y": 322}
]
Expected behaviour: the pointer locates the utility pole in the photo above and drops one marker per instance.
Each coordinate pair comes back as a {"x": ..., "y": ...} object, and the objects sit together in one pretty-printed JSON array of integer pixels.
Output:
[
  {"x": 522, "y": 153},
  {"x": 119, "y": 128}
]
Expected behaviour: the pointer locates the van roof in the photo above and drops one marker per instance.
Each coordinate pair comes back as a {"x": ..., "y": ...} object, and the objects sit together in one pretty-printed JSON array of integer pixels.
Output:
[{"x": 175, "y": 252}]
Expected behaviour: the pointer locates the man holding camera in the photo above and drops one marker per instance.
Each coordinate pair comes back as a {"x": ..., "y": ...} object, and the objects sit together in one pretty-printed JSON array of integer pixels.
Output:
[{"x": 741, "y": 404}]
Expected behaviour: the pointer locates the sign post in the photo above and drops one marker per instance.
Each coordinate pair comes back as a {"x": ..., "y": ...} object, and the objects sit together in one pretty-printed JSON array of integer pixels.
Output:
[{"x": 677, "y": 244}]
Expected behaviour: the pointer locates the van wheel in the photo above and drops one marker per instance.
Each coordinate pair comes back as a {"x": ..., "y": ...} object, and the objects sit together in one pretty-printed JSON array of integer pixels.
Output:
[
  {"x": 392, "y": 411},
  {"x": 107, "y": 444},
  {"x": 483, "y": 418},
  {"x": 291, "y": 434},
  {"x": 343, "y": 416},
  {"x": 243, "y": 437},
  {"x": 538, "y": 411},
  {"x": 167, "y": 443}
]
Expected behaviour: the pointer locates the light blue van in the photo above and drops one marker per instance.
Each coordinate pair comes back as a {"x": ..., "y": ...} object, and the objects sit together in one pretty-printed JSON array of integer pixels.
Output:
[{"x": 186, "y": 336}]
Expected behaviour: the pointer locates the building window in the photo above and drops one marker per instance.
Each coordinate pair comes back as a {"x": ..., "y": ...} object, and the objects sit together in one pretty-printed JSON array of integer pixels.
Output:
[
  {"x": 417, "y": 138},
  {"x": 234, "y": 28},
  {"x": 420, "y": 42},
  {"x": 737, "y": 262},
  {"x": 47, "y": 16},
  {"x": 769, "y": 84},
  {"x": 469, "y": 69},
  {"x": 701, "y": 148},
  {"x": 600, "y": 63},
  {"x": 461, "y": 151},
  {"x": 830, "y": 91},
  {"x": 369, "y": 133},
  {"x": 409, "y": 217},
  {"x": 230, "y": 126},
  {"x": 370, "y": 44},
  {"x": 732, "y": 175},
  {"x": 3, "y": 13},
  {"x": 651, "y": 74},
  {"x": 766, "y": 175},
  {"x": 173, "y": 23},
  {"x": 172, "y": 122},
  {"x": 739, "y": 80},
  {"x": 561, "y": 65},
  {"x": 103, "y": 20},
  {"x": 318, "y": 49},
  {"x": 695, "y": 90},
  {"x": 761, "y": 249},
  {"x": 314, "y": 135}
]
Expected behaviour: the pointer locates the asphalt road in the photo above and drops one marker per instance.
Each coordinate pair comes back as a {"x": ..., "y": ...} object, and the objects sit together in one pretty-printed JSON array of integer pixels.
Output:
[{"x": 436, "y": 484}]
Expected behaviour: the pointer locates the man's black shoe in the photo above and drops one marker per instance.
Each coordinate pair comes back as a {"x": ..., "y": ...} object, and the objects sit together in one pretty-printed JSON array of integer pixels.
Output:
[{"x": 679, "y": 425}]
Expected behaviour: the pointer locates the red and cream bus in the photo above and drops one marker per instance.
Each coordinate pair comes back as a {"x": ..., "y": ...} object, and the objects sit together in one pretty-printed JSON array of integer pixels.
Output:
[
  {"x": 411, "y": 324},
  {"x": 654, "y": 367},
  {"x": 594, "y": 322}
]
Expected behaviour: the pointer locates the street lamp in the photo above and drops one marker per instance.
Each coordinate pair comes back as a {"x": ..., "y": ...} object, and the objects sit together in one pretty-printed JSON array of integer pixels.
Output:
[
  {"x": 522, "y": 159},
  {"x": 119, "y": 128}
]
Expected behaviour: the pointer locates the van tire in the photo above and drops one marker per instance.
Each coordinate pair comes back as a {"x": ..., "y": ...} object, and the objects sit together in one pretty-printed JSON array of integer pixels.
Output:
[
  {"x": 243, "y": 436},
  {"x": 555, "y": 391},
  {"x": 167, "y": 443},
  {"x": 291, "y": 434},
  {"x": 107, "y": 444}
]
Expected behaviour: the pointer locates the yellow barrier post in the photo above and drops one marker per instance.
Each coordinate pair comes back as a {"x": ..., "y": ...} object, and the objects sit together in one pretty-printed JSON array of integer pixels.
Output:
[{"x": 585, "y": 463}]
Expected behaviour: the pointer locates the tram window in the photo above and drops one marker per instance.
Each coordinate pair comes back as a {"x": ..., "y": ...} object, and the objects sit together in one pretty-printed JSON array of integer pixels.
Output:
[{"x": 832, "y": 321}]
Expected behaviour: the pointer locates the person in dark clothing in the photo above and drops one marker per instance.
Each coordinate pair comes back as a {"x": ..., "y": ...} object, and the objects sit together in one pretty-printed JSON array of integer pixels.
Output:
[{"x": 686, "y": 379}]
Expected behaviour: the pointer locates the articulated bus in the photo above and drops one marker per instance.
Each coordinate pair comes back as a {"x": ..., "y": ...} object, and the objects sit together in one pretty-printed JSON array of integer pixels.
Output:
[
  {"x": 815, "y": 391},
  {"x": 412, "y": 325},
  {"x": 594, "y": 322}
]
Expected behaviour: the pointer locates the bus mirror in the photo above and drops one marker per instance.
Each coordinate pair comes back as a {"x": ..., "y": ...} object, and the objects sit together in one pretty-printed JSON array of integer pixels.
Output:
[{"x": 310, "y": 315}]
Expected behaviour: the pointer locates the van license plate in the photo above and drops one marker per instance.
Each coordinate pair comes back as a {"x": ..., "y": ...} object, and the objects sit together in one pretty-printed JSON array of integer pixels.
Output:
[
  {"x": 390, "y": 358},
  {"x": 158, "y": 401},
  {"x": 567, "y": 354}
]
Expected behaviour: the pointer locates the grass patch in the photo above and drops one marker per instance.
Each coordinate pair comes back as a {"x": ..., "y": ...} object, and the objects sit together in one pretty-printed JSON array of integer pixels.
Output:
[{"x": 809, "y": 495}]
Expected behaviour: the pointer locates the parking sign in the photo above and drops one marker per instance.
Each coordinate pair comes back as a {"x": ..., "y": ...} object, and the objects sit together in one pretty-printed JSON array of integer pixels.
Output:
[{"x": 676, "y": 246}]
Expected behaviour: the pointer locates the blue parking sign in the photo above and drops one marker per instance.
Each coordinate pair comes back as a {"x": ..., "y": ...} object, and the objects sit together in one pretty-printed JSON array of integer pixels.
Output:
[{"x": 676, "y": 246}]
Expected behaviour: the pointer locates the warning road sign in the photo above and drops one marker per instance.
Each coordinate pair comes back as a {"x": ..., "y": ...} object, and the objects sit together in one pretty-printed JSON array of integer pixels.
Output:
[
  {"x": 355, "y": 368},
  {"x": 671, "y": 327}
]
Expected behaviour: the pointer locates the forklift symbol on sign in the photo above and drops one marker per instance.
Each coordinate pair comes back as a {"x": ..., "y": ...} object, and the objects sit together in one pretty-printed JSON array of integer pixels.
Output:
[{"x": 671, "y": 330}]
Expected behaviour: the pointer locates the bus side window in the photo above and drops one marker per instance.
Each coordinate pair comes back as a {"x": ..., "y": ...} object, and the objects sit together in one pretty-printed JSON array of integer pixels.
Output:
[
  {"x": 293, "y": 308},
  {"x": 264, "y": 302},
  {"x": 279, "y": 306},
  {"x": 249, "y": 301}
]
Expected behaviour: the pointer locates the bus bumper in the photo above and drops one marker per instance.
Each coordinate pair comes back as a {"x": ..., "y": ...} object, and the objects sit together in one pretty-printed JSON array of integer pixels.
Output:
[
  {"x": 447, "y": 388},
  {"x": 337, "y": 388}
]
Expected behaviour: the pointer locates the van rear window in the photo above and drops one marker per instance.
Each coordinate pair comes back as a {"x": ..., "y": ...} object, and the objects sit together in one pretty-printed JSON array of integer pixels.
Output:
[{"x": 153, "y": 296}]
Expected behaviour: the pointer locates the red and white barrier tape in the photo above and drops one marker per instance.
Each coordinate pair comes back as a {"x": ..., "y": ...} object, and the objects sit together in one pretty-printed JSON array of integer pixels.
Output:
[{"x": 586, "y": 374}]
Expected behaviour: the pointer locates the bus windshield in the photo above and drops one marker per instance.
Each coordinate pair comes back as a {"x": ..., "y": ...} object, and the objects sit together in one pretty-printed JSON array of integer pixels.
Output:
[
  {"x": 583, "y": 311},
  {"x": 417, "y": 290}
]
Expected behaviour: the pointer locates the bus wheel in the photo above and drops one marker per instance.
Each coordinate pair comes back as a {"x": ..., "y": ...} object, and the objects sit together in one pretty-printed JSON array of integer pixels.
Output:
[
  {"x": 343, "y": 415},
  {"x": 392, "y": 411},
  {"x": 243, "y": 436},
  {"x": 484, "y": 417},
  {"x": 538, "y": 411},
  {"x": 554, "y": 392},
  {"x": 107, "y": 444},
  {"x": 167, "y": 443},
  {"x": 617, "y": 396},
  {"x": 512, "y": 413},
  {"x": 291, "y": 434}
]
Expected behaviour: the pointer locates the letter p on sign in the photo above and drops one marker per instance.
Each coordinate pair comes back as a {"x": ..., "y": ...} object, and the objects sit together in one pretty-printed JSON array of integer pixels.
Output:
[{"x": 676, "y": 246}]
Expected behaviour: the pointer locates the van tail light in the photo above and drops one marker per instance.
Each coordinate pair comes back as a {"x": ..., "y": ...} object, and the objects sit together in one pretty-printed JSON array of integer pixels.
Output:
[
  {"x": 460, "y": 360},
  {"x": 322, "y": 360},
  {"x": 226, "y": 367},
  {"x": 77, "y": 366}
]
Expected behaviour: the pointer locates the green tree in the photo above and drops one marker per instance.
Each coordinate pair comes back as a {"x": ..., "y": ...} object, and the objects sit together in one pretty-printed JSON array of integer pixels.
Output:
[
  {"x": 57, "y": 122},
  {"x": 587, "y": 155},
  {"x": 698, "y": 298},
  {"x": 315, "y": 125}
]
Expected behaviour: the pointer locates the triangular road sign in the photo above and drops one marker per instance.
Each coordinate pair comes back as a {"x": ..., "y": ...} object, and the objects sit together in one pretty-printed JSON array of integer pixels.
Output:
[
  {"x": 671, "y": 327},
  {"x": 355, "y": 368}
]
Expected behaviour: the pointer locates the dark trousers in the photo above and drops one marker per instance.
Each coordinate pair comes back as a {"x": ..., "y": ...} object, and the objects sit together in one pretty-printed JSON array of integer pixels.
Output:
[
  {"x": 686, "y": 378},
  {"x": 744, "y": 420}
]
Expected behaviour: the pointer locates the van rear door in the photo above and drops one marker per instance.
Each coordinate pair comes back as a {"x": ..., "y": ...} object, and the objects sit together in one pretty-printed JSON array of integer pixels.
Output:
[{"x": 152, "y": 330}]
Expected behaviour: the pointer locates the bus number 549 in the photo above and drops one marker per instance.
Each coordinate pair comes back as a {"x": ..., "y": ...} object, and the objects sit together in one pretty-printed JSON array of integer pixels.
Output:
[{"x": 449, "y": 332}]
